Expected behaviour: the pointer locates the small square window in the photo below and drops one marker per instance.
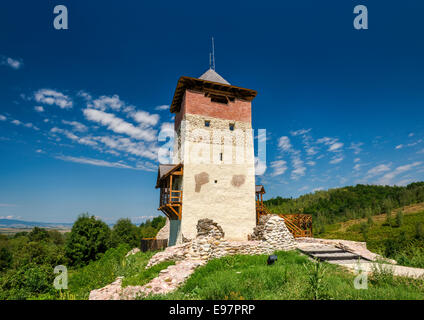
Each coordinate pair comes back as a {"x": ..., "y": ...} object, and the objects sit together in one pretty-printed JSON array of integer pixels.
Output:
[
  {"x": 232, "y": 126},
  {"x": 207, "y": 123}
]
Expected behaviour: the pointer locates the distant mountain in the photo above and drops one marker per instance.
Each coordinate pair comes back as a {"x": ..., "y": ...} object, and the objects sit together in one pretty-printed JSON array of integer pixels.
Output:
[{"x": 12, "y": 223}]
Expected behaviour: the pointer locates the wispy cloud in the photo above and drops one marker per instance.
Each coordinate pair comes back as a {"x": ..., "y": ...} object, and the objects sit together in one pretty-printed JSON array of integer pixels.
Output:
[
  {"x": 162, "y": 107},
  {"x": 28, "y": 125},
  {"x": 94, "y": 162},
  {"x": 279, "y": 167},
  {"x": 388, "y": 177},
  {"x": 11, "y": 62},
  {"x": 356, "y": 147},
  {"x": 39, "y": 108},
  {"x": 77, "y": 126},
  {"x": 53, "y": 97},
  {"x": 118, "y": 125},
  {"x": 300, "y": 132}
]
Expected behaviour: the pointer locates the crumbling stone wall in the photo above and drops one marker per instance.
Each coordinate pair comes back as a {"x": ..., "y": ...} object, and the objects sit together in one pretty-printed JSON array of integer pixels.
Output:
[{"x": 270, "y": 235}]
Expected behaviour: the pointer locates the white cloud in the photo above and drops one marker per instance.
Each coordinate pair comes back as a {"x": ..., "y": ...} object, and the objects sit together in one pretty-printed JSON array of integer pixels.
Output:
[
  {"x": 52, "y": 97},
  {"x": 299, "y": 168},
  {"x": 145, "y": 118},
  {"x": 388, "y": 177},
  {"x": 118, "y": 125},
  {"x": 335, "y": 146},
  {"x": 105, "y": 102},
  {"x": 28, "y": 125},
  {"x": 311, "y": 163},
  {"x": 357, "y": 167},
  {"x": 39, "y": 108},
  {"x": 128, "y": 146},
  {"x": 356, "y": 147},
  {"x": 70, "y": 135},
  {"x": 13, "y": 63},
  {"x": 311, "y": 151},
  {"x": 356, "y": 160},
  {"x": 78, "y": 126},
  {"x": 411, "y": 134},
  {"x": 279, "y": 167},
  {"x": 103, "y": 163},
  {"x": 39, "y": 151},
  {"x": 284, "y": 143},
  {"x": 304, "y": 188},
  {"x": 420, "y": 151},
  {"x": 378, "y": 170},
  {"x": 400, "y": 146},
  {"x": 2, "y": 118},
  {"x": 336, "y": 160},
  {"x": 162, "y": 107},
  {"x": 95, "y": 162},
  {"x": 317, "y": 189},
  {"x": 300, "y": 132}
]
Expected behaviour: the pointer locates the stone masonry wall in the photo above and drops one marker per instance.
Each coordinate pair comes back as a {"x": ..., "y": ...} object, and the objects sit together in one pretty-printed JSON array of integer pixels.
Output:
[{"x": 270, "y": 235}]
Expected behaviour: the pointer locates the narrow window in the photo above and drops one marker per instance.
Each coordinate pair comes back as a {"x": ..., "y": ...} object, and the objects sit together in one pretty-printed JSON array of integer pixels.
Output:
[
  {"x": 220, "y": 156},
  {"x": 207, "y": 123},
  {"x": 231, "y": 126}
]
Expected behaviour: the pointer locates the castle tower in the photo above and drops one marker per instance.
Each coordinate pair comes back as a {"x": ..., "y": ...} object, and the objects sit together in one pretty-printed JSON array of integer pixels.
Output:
[{"x": 213, "y": 175}]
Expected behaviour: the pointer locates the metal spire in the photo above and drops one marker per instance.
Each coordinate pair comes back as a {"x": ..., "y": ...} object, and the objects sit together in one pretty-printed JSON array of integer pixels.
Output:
[{"x": 212, "y": 56}]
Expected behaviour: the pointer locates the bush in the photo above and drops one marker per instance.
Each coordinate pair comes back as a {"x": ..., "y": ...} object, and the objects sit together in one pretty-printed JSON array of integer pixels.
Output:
[
  {"x": 88, "y": 240},
  {"x": 399, "y": 218},
  {"x": 125, "y": 232},
  {"x": 5, "y": 259},
  {"x": 27, "y": 281},
  {"x": 419, "y": 230}
]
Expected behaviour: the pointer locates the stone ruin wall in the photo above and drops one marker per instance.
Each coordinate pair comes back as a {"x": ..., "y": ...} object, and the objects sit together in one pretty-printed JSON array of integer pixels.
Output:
[{"x": 270, "y": 235}]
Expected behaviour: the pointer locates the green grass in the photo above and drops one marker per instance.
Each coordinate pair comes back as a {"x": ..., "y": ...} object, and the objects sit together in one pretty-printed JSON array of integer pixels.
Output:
[
  {"x": 293, "y": 276},
  {"x": 105, "y": 270}
]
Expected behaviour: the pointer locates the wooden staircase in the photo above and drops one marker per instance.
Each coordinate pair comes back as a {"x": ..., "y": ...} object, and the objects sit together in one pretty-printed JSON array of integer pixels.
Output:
[{"x": 300, "y": 225}]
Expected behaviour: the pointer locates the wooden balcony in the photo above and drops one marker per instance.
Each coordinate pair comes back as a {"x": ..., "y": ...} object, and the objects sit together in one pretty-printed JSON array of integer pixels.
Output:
[{"x": 171, "y": 194}]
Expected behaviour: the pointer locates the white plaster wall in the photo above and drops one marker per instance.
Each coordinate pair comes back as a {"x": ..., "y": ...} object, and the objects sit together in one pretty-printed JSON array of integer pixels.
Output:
[{"x": 232, "y": 207}]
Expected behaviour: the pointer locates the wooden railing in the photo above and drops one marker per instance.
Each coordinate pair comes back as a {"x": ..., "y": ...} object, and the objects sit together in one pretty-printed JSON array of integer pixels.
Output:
[
  {"x": 300, "y": 225},
  {"x": 168, "y": 197}
]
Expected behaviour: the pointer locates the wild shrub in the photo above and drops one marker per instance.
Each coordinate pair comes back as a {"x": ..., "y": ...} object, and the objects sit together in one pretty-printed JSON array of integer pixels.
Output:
[
  {"x": 316, "y": 288},
  {"x": 399, "y": 218}
]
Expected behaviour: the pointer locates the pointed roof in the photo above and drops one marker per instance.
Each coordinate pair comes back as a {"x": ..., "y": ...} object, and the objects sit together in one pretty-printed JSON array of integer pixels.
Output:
[{"x": 213, "y": 76}]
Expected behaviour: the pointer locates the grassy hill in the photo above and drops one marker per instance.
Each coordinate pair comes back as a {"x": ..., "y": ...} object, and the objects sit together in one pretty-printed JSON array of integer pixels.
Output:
[
  {"x": 347, "y": 203},
  {"x": 399, "y": 235}
]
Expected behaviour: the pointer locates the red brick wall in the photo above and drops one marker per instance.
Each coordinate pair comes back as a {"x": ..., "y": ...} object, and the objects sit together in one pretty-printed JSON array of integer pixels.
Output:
[{"x": 197, "y": 103}]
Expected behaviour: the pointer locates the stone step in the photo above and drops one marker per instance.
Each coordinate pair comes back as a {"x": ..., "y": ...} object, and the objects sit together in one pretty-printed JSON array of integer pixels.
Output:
[
  {"x": 337, "y": 256},
  {"x": 323, "y": 251}
]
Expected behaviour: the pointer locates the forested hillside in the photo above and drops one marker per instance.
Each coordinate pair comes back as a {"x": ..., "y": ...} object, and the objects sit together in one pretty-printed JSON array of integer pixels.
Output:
[
  {"x": 28, "y": 259},
  {"x": 341, "y": 204}
]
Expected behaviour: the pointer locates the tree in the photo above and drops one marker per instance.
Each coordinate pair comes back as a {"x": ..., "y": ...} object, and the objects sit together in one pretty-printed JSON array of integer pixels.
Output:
[
  {"x": 399, "y": 218},
  {"x": 125, "y": 232},
  {"x": 364, "y": 230},
  {"x": 38, "y": 234},
  {"x": 88, "y": 240},
  {"x": 5, "y": 259}
]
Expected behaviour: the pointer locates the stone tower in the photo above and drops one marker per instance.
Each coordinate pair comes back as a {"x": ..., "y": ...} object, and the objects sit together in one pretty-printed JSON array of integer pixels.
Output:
[{"x": 213, "y": 172}]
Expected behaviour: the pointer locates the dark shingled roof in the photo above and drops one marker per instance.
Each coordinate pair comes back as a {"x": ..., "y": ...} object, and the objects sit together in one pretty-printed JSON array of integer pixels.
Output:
[
  {"x": 260, "y": 189},
  {"x": 164, "y": 170}
]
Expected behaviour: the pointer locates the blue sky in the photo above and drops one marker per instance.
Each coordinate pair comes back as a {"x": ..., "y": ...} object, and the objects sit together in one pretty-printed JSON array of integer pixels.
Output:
[{"x": 80, "y": 109}]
